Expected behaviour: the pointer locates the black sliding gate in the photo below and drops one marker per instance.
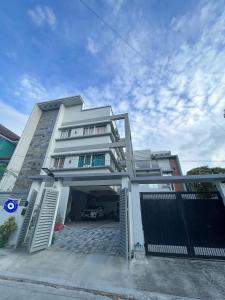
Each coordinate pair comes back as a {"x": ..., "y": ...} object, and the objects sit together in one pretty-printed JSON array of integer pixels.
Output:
[{"x": 184, "y": 224}]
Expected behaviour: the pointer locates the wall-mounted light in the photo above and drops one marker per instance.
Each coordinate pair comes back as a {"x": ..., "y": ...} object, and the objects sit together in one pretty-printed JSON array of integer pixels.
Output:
[{"x": 49, "y": 173}]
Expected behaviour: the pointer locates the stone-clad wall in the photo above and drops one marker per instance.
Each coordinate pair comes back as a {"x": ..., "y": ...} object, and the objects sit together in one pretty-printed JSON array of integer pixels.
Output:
[{"x": 36, "y": 153}]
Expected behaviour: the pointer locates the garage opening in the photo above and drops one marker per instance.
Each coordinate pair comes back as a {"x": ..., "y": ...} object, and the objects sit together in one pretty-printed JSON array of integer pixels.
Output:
[{"x": 92, "y": 221}]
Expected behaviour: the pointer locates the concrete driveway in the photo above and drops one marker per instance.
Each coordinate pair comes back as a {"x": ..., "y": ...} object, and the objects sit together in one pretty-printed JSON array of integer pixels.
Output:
[
  {"x": 156, "y": 278},
  {"x": 98, "y": 237}
]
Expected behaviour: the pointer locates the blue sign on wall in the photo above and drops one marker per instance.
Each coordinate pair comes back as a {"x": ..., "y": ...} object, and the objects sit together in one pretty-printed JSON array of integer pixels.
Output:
[{"x": 10, "y": 205}]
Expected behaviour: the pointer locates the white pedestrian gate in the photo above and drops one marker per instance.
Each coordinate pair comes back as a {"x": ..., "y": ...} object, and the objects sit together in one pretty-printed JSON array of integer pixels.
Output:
[{"x": 45, "y": 220}]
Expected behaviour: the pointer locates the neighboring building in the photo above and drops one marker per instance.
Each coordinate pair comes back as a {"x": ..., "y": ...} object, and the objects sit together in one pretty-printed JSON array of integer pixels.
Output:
[
  {"x": 158, "y": 163},
  {"x": 8, "y": 142}
]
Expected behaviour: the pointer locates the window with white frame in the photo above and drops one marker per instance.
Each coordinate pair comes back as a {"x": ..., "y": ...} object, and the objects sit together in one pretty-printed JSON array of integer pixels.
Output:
[
  {"x": 59, "y": 162},
  {"x": 65, "y": 133},
  {"x": 89, "y": 130}
]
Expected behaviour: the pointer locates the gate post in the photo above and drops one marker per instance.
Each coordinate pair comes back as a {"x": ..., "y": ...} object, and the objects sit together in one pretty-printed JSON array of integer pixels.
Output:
[
  {"x": 138, "y": 243},
  {"x": 221, "y": 188}
]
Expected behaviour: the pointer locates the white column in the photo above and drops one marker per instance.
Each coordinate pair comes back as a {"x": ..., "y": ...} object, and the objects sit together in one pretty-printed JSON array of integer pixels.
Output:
[
  {"x": 137, "y": 219},
  {"x": 63, "y": 202},
  {"x": 221, "y": 188}
]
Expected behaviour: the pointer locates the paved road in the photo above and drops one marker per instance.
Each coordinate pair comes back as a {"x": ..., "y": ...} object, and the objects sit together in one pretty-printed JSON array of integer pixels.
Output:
[
  {"x": 11, "y": 290},
  {"x": 165, "y": 277}
]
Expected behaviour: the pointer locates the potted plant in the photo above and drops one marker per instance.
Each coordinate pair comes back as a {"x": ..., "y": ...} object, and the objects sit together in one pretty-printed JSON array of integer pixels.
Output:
[
  {"x": 59, "y": 222},
  {"x": 6, "y": 230}
]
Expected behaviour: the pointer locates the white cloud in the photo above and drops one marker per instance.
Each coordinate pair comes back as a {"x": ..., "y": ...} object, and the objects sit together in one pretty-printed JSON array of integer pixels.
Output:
[
  {"x": 11, "y": 118},
  {"x": 176, "y": 100},
  {"x": 43, "y": 15},
  {"x": 115, "y": 6},
  {"x": 92, "y": 46},
  {"x": 11, "y": 54},
  {"x": 30, "y": 90}
]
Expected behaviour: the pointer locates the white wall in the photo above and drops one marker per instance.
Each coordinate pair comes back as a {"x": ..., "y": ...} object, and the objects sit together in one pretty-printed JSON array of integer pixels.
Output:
[
  {"x": 83, "y": 142},
  {"x": 75, "y": 113},
  {"x": 16, "y": 162},
  {"x": 164, "y": 164},
  {"x": 4, "y": 216}
]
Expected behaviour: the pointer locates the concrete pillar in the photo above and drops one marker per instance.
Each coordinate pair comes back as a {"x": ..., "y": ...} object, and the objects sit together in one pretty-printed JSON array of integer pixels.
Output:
[
  {"x": 221, "y": 188},
  {"x": 36, "y": 185},
  {"x": 139, "y": 250},
  {"x": 125, "y": 182},
  {"x": 63, "y": 202}
]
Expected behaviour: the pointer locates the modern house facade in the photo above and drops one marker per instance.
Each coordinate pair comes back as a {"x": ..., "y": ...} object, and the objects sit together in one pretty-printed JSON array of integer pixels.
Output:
[
  {"x": 87, "y": 163},
  {"x": 8, "y": 142}
]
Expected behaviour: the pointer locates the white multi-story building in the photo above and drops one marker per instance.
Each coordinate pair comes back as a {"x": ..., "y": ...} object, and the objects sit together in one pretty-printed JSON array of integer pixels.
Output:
[{"x": 70, "y": 158}]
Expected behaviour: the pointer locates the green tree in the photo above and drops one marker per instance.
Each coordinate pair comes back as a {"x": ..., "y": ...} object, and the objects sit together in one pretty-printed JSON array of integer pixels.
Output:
[{"x": 203, "y": 186}]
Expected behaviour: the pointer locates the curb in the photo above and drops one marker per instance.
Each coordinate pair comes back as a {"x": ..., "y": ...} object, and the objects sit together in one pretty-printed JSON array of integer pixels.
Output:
[{"x": 110, "y": 295}]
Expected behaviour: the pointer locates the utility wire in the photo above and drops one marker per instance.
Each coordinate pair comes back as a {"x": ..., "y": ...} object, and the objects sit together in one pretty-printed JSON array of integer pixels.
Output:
[
  {"x": 119, "y": 36},
  {"x": 134, "y": 49}
]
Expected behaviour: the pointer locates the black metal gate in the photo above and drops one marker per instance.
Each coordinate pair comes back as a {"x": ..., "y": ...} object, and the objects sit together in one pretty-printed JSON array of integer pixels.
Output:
[{"x": 184, "y": 224}]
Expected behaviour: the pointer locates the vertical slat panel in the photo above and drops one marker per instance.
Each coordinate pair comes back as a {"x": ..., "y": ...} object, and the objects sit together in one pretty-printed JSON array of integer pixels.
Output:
[
  {"x": 124, "y": 230},
  {"x": 27, "y": 218},
  {"x": 184, "y": 224},
  {"x": 45, "y": 220}
]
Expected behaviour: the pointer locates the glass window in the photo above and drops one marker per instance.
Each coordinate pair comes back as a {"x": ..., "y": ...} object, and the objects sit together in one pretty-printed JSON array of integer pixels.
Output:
[
  {"x": 89, "y": 130},
  {"x": 84, "y": 161},
  {"x": 100, "y": 129},
  {"x": 98, "y": 160},
  {"x": 59, "y": 162},
  {"x": 81, "y": 161},
  {"x": 56, "y": 162},
  {"x": 66, "y": 133}
]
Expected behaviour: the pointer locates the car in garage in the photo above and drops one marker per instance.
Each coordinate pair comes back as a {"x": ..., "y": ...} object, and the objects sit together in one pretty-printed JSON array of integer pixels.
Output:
[{"x": 93, "y": 213}]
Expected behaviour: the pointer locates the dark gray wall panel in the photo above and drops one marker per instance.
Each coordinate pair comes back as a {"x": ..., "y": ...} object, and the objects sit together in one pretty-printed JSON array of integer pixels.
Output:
[{"x": 36, "y": 152}]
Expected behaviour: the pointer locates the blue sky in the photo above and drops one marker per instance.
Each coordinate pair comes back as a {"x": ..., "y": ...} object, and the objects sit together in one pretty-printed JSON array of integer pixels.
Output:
[{"x": 172, "y": 86}]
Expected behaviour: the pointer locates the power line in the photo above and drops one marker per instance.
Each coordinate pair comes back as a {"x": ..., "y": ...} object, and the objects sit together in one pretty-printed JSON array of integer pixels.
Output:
[
  {"x": 137, "y": 51},
  {"x": 119, "y": 36}
]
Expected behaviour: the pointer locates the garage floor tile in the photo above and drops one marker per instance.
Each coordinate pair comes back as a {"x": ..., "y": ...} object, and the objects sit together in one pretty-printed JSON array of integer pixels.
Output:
[{"x": 89, "y": 237}]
